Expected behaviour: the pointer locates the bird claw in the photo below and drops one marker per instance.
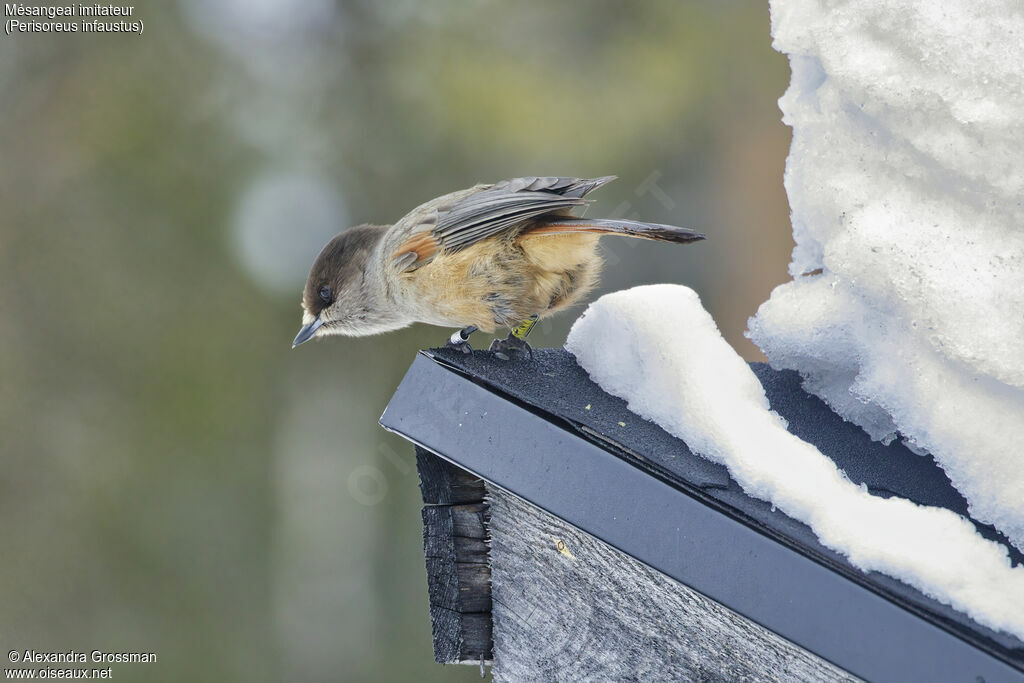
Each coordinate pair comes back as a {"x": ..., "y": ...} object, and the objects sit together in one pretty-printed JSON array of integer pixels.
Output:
[
  {"x": 510, "y": 347},
  {"x": 460, "y": 346}
]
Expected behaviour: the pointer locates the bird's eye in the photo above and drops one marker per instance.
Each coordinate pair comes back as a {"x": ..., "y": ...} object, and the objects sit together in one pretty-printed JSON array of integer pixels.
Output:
[{"x": 325, "y": 294}]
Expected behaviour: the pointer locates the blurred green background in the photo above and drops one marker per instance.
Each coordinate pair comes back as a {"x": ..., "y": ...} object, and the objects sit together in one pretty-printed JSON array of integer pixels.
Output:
[{"x": 175, "y": 478}]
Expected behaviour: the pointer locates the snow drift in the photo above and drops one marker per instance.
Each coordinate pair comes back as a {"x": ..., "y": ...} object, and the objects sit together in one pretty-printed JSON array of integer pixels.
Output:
[
  {"x": 906, "y": 308},
  {"x": 906, "y": 183}
]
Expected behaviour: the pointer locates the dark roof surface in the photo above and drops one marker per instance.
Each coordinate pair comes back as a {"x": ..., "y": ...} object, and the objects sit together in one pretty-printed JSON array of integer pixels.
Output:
[{"x": 554, "y": 388}]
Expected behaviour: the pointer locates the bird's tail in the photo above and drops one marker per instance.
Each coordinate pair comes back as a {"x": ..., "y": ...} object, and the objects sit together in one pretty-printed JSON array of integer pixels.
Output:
[{"x": 613, "y": 226}]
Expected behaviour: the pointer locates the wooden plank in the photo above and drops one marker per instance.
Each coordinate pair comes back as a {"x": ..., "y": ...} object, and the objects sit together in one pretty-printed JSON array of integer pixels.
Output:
[
  {"x": 457, "y": 555},
  {"x": 442, "y": 483},
  {"x": 567, "y": 606}
]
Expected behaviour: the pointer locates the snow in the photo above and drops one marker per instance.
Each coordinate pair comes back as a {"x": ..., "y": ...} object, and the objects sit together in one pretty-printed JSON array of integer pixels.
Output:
[
  {"x": 905, "y": 181},
  {"x": 657, "y": 348}
]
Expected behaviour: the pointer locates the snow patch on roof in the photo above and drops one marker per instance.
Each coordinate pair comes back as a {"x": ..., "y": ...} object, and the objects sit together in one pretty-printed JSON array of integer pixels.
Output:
[{"x": 657, "y": 348}]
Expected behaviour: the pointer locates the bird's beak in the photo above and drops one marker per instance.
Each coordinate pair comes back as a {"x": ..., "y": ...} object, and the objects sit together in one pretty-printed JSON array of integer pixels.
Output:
[{"x": 307, "y": 332}]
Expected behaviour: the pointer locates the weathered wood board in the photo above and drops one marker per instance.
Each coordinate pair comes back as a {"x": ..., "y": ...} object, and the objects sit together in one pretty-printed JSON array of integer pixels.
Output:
[{"x": 568, "y": 607}]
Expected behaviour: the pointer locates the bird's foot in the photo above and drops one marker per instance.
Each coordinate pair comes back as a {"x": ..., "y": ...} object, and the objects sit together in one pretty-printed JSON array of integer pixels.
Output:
[
  {"x": 460, "y": 340},
  {"x": 511, "y": 347}
]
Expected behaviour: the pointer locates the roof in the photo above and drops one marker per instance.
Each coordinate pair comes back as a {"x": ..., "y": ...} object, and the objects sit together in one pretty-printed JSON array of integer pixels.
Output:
[{"x": 545, "y": 432}]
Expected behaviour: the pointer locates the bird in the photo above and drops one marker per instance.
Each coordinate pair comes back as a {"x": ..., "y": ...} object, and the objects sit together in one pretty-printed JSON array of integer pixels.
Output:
[{"x": 495, "y": 255}]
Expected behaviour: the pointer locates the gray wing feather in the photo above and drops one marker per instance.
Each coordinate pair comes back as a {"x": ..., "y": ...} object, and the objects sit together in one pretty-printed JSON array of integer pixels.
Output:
[
  {"x": 403, "y": 261},
  {"x": 509, "y": 204}
]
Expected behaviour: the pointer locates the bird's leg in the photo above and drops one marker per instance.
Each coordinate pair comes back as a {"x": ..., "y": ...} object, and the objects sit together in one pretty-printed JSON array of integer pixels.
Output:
[
  {"x": 460, "y": 340},
  {"x": 515, "y": 343}
]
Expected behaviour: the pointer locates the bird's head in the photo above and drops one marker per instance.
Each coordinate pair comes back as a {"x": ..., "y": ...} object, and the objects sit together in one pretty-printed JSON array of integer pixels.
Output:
[{"x": 340, "y": 296}]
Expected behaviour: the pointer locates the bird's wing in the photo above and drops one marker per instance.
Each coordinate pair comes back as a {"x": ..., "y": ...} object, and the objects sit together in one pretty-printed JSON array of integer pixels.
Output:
[{"x": 485, "y": 211}]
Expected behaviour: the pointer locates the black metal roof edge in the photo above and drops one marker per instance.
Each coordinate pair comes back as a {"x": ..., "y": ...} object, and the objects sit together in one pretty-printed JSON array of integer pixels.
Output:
[
  {"x": 821, "y": 554},
  {"x": 445, "y": 382},
  {"x": 886, "y": 586}
]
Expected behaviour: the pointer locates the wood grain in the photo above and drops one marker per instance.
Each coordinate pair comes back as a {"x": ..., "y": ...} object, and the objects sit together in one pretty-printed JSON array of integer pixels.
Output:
[{"x": 567, "y": 606}]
